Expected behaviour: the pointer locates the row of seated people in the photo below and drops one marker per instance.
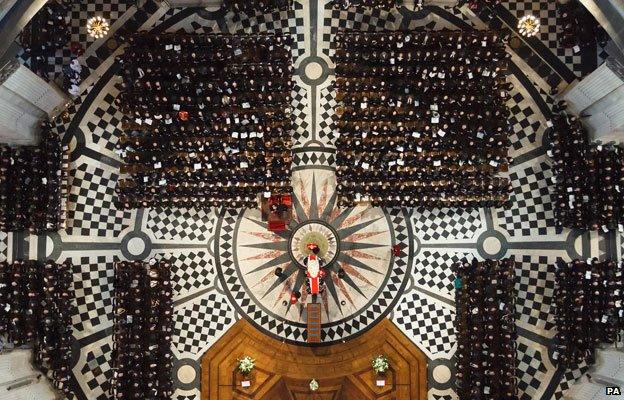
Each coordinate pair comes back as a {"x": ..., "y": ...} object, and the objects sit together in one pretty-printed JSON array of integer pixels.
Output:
[
  {"x": 189, "y": 195},
  {"x": 36, "y": 310},
  {"x": 142, "y": 331},
  {"x": 588, "y": 178},
  {"x": 382, "y": 191},
  {"x": 422, "y": 118},
  {"x": 382, "y": 4},
  {"x": 53, "y": 352},
  {"x": 208, "y": 119},
  {"x": 485, "y": 329},
  {"x": 266, "y": 6},
  {"x": 33, "y": 188},
  {"x": 251, "y": 6},
  {"x": 588, "y": 308}
]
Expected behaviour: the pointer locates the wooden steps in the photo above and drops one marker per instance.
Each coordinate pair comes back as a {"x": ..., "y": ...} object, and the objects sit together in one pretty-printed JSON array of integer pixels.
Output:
[{"x": 314, "y": 322}]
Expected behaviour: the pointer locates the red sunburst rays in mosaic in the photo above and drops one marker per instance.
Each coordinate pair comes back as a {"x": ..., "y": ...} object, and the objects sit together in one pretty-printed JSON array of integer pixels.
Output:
[
  {"x": 322, "y": 204},
  {"x": 352, "y": 220},
  {"x": 302, "y": 300},
  {"x": 266, "y": 254},
  {"x": 355, "y": 237},
  {"x": 287, "y": 288},
  {"x": 351, "y": 271},
  {"x": 334, "y": 213},
  {"x": 303, "y": 198},
  {"x": 361, "y": 254},
  {"x": 325, "y": 300},
  {"x": 343, "y": 289},
  {"x": 268, "y": 277},
  {"x": 266, "y": 236},
  {"x": 304, "y": 294}
]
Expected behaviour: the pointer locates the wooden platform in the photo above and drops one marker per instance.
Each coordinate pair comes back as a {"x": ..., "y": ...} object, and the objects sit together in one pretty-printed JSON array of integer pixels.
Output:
[
  {"x": 283, "y": 371},
  {"x": 314, "y": 322}
]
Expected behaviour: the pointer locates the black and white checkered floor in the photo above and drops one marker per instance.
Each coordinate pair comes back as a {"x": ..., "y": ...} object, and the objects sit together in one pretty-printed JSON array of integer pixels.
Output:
[{"x": 211, "y": 248}]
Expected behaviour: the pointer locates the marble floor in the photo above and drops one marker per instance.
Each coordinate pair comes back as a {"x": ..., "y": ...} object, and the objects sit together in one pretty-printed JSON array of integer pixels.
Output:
[{"x": 224, "y": 259}]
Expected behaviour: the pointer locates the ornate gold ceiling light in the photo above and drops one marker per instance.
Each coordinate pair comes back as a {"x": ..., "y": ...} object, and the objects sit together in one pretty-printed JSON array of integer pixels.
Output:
[
  {"x": 97, "y": 27},
  {"x": 529, "y": 25}
]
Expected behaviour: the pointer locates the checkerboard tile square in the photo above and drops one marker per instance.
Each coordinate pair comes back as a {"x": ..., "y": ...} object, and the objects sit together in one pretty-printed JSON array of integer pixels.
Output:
[
  {"x": 433, "y": 269},
  {"x": 91, "y": 205},
  {"x": 530, "y": 372},
  {"x": 523, "y": 119},
  {"x": 80, "y": 12},
  {"x": 301, "y": 132},
  {"x": 327, "y": 107},
  {"x": 181, "y": 224},
  {"x": 571, "y": 375},
  {"x": 190, "y": 271},
  {"x": 200, "y": 324},
  {"x": 446, "y": 223},
  {"x": 531, "y": 212},
  {"x": 427, "y": 323},
  {"x": 94, "y": 371},
  {"x": 105, "y": 130},
  {"x": 94, "y": 277},
  {"x": 53, "y": 68},
  {"x": 535, "y": 286}
]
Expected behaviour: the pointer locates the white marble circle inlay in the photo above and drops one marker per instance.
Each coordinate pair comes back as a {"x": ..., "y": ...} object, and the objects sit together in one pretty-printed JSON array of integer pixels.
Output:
[
  {"x": 491, "y": 245},
  {"x": 49, "y": 246},
  {"x": 578, "y": 244},
  {"x": 186, "y": 374},
  {"x": 72, "y": 144},
  {"x": 136, "y": 246},
  {"x": 313, "y": 70},
  {"x": 441, "y": 374}
]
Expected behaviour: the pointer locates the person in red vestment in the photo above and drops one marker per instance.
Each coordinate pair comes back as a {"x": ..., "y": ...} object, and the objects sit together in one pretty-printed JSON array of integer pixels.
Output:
[{"x": 315, "y": 271}]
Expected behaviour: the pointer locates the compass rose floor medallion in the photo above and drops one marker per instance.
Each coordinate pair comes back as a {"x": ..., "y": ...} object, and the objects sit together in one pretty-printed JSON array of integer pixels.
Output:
[{"x": 357, "y": 240}]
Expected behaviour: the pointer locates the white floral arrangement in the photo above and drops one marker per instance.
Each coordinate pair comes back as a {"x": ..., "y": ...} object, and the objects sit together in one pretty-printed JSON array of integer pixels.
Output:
[
  {"x": 380, "y": 364},
  {"x": 246, "y": 365},
  {"x": 314, "y": 385}
]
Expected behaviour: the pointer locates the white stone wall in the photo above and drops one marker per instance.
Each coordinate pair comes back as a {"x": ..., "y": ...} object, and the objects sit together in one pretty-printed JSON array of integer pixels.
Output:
[
  {"x": 19, "y": 380},
  {"x": 26, "y": 99}
]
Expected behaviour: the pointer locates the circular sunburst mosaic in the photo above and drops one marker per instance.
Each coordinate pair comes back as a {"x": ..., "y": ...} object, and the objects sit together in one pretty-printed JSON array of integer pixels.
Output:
[{"x": 359, "y": 241}]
